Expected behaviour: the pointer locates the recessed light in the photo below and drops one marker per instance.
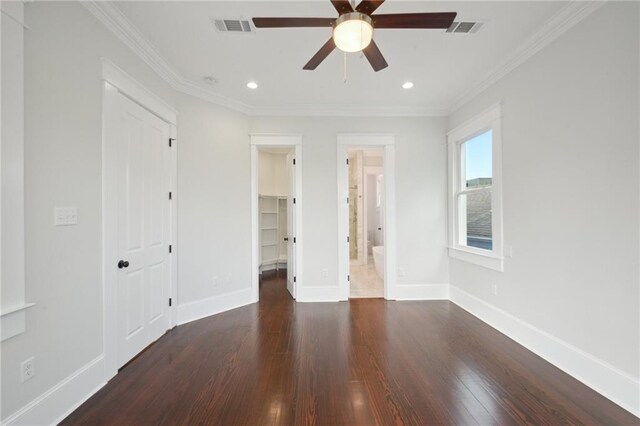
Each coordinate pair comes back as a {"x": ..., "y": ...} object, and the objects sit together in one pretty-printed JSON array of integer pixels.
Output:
[
  {"x": 252, "y": 85},
  {"x": 407, "y": 85}
]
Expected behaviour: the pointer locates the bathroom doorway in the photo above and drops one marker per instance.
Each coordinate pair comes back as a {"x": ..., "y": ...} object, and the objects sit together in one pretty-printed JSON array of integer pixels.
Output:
[{"x": 366, "y": 219}]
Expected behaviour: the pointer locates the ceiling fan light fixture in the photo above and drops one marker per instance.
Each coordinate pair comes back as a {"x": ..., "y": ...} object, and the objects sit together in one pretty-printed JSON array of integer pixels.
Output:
[{"x": 353, "y": 32}]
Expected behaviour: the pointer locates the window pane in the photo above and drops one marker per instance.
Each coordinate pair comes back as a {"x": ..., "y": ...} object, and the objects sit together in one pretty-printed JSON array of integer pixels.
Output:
[
  {"x": 475, "y": 219},
  {"x": 477, "y": 157}
]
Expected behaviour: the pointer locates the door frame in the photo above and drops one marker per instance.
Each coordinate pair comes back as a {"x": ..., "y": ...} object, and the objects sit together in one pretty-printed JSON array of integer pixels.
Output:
[
  {"x": 368, "y": 171},
  {"x": 365, "y": 140},
  {"x": 116, "y": 82},
  {"x": 275, "y": 140}
]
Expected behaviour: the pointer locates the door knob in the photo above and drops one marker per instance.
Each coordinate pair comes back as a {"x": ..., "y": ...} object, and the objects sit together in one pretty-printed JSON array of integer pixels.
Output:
[
  {"x": 123, "y": 264},
  {"x": 286, "y": 238}
]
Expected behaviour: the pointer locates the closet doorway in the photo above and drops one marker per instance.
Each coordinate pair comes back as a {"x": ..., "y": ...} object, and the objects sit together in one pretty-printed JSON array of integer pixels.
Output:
[{"x": 276, "y": 207}]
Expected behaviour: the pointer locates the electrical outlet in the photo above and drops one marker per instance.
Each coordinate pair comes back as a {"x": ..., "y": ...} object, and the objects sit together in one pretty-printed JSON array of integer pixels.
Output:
[
  {"x": 401, "y": 272},
  {"x": 495, "y": 289},
  {"x": 65, "y": 216},
  {"x": 27, "y": 369},
  {"x": 228, "y": 278},
  {"x": 325, "y": 274},
  {"x": 215, "y": 281}
]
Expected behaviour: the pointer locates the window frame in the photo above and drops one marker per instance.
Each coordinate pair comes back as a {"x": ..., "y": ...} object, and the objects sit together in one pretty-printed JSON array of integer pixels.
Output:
[{"x": 491, "y": 119}]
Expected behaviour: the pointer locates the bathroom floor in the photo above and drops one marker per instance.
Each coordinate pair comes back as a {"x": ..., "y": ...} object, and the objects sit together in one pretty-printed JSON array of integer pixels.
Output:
[{"x": 365, "y": 281}]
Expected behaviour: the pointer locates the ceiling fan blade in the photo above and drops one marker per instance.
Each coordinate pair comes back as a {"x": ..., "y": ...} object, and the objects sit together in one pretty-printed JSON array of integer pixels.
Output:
[
  {"x": 369, "y": 6},
  {"x": 374, "y": 56},
  {"x": 293, "y": 22},
  {"x": 342, "y": 6},
  {"x": 414, "y": 20},
  {"x": 320, "y": 56}
]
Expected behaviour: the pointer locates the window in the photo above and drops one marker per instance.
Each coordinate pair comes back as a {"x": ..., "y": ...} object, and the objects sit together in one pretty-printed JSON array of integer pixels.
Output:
[{"x": 475, "y": 206}]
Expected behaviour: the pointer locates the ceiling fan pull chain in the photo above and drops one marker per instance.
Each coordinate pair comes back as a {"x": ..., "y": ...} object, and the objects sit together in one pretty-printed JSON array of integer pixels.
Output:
[{"x": 345, "y": 67}]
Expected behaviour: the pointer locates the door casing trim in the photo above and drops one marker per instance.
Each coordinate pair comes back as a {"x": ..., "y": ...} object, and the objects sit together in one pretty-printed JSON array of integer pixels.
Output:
[{"x": 116, "y": 82}]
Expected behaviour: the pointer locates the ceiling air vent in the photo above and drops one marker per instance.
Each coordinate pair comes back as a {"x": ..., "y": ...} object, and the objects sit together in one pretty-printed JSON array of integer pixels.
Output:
[
  {"x": 465, "y": 27},
  {"x": 232, "y": 25}
]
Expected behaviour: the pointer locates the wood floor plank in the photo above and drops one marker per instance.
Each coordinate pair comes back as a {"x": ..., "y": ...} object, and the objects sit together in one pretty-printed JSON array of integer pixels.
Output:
[{"x": 363, "y": 362}]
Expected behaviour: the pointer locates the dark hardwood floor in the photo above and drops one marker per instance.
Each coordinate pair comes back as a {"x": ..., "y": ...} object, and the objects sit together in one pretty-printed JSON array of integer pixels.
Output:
[{"x": 364, "y": 362}]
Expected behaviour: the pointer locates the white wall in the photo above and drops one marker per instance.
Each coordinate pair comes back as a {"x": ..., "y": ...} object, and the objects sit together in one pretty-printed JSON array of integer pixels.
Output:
[
  {"x": 63, "y": 125},
  {"x": 420, "y": 192},
  {"x": 570, "y": 163},
  {"x": 63, "y": 108},
  {"x": 214, "y": 202},
  {"x": 12, "y": 156}
]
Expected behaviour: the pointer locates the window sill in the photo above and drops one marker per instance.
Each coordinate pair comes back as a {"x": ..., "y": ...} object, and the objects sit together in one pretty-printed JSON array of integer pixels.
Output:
[
  {"x": 489, "y": 261},
  {"x": 13, "y": 321}
]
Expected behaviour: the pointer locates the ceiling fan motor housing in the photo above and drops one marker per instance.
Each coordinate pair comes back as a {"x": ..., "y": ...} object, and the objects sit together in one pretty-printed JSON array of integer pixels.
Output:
[{"x": 353, "y": 31}]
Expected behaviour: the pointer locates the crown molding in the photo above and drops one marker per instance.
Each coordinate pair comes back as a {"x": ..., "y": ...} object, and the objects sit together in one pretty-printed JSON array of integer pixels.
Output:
[
  {"x": 120, "y": 26},
  {"x": 347, "y": 111},
  {"x": 557, "y": 25},
  {"x": 112, "y": 18}
]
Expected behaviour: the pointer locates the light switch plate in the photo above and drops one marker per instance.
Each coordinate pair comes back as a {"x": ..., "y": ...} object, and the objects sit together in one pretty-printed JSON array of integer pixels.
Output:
[{"x": 65, "y": 216}]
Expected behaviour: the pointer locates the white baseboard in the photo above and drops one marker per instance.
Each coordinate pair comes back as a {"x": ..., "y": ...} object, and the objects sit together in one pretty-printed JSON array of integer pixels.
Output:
[
  {"x": 213, "y": 305},
  {"x": 604, "y": 378},
  {"x": 61, "y": 400},
  {"x": 318, "y": 294},
  {"x": 421, "y": 292}
]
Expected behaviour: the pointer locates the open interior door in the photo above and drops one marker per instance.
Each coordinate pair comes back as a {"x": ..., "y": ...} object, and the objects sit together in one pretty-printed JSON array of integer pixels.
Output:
[{"x": 291, "y": 225}]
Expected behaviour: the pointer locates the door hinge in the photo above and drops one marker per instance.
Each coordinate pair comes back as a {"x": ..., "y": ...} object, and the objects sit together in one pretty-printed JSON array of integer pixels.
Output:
[
  {"x": 169, "y": 301},
  {"x": 294, "y": 279},
  {"x": 294, "y": 240},
  {"x": 348, "y": 277},
  {"x": 170, "y": 195},
  {"x": 347, "y": 239},
  {"x": 294, "y": 161},
  {"x": 170, "y": 248},
  {"x": 170, "y": 141},
  {"x": 294, "y": 200},
  {"x": 347, "y": 161},
  {"x": 347, "y": 200}
]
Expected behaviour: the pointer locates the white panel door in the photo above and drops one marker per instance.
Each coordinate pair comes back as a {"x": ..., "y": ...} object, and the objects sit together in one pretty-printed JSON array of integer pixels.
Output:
[
  {"x": 291, "y": 226},
  {"x": 143, "y": 229}
]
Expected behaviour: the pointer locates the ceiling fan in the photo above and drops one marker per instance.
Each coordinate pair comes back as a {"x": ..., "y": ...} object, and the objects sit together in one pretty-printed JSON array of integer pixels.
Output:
[{"x": 353, "y": 29}]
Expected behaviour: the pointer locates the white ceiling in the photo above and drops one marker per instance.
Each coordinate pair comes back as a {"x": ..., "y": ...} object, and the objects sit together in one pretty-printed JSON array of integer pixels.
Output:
[{"x": 444, "y": 67}]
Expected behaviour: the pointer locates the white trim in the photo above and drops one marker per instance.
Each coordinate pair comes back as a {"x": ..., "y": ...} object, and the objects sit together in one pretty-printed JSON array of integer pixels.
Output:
[
  {"x": 479, "y": 121},
  {"x": 604, "y": 378},
  {"x": 114, "y": 75},
  {"x": 137, "y": 92},
  {"x": 361, "y": 140},
  {"x": 467, "y": 254},
  {"x": 199, "y": 309},
  {"x": 422, "y": 292},
  {"x": 115, "y": 21},
  {"x": 489, "y": 119},
  {"x": 175, "y": 249},
  {"x": 16, "y": 309},
  {"x": 280, "y": 140},
  {"x": 58, "y": 402},
  {"x": 13, "y": 321},
  {"x": 570, "y": 15}
]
